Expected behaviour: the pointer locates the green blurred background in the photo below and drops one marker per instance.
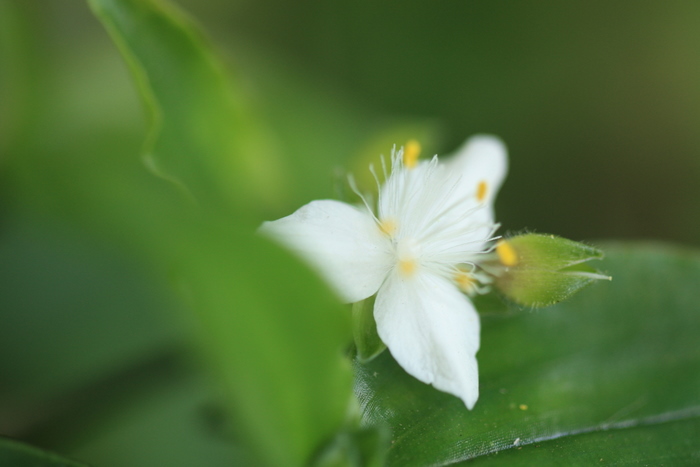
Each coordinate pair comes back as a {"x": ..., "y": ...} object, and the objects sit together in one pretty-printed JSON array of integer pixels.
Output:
[{"x": 598, "y": 102}]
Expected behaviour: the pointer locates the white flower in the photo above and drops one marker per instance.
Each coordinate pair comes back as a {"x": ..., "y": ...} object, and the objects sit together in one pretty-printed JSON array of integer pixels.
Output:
[{"x": 418, "y": 253}]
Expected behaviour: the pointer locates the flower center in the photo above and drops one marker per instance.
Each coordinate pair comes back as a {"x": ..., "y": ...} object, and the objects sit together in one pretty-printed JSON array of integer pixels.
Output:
[
  {"x": 407, "y": 267},
  {"x": 407, "y": 254}
]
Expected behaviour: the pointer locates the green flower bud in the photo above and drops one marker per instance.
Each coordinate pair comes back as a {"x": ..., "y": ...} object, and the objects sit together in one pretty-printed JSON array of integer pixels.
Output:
[{"x": 541, "y": 270}]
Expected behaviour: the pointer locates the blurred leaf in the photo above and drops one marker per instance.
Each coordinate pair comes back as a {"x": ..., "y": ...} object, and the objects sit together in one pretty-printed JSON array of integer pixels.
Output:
[
  {"x": 491, "y": 302},
  {"x": 166, "y": 425},
  {"x": 270, "y": 330},
  {"x": 276, "y": 337},
  {"x": 362, "y": 447},
  {"x": 15, "y": 454},
  {"x": 78, "y": 161},
  {"x": 364, "y": 329},
  {"x": 62, "y": 292},
  {"x": 621, "y": 354},
  {"x": 203, "y": 136},
  {"x": 14, "y": 80}
]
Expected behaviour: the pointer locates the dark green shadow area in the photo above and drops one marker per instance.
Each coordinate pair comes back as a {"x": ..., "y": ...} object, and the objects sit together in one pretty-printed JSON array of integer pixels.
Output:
[{"x": 16, "y": 454}]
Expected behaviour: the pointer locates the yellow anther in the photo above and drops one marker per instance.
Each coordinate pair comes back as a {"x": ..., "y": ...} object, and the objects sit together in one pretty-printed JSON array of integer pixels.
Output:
[
  {"x": 465, "y": 281},
  {"x": 388, "y": 227},
  {"x": 410, "y": 154},
  {"x": 482, "y": 190},
  {"x": 407, "y": 267},
  {"x": 522, "y": 406},
  {"x": 506, "y": 253}
]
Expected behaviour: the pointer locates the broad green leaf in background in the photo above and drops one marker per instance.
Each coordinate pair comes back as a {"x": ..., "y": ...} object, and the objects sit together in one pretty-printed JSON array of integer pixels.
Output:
[
  {"x": 275, "y": 340},
  {"x": 15, "y": 454},
  {"x": 203, "y": 135},
  {"x": 619, "y": 355},
  {"x": 364, "y": 330},
  {"x": 363, "y": 447},
  {"x": 175, "y": 424},
  {"x": 668, "y": 444},
  {"x": 64, "y": 292},
  {"x": 14, "y": 82},
  {"x": 269, "y": 329},
  {"x": 83, "y": 171}
]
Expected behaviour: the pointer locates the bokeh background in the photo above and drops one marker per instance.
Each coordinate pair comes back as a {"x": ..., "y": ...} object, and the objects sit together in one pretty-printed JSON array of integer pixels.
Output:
[{"x": 598, "y": 102}]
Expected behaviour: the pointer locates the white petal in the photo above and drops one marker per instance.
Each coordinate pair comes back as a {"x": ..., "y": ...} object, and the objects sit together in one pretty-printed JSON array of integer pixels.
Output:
[
  {"x": 432, "y": 331},
  {"x": 481, "y": 158},
  {"x": 341, "y": 242}
]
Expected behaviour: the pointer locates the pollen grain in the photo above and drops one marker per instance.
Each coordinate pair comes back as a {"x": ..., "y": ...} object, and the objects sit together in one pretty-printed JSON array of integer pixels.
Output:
[
  {"x": 506, "y": 253},
  {"x": 410, "y": 154},
  {"x": 481, "y": 191}
]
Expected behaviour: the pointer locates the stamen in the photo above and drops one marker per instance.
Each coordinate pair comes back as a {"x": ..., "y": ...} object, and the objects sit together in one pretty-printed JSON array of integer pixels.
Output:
[
  {"x": 410, "y": 154},
  {"x": 481, "y": 191},
  {"x": 506, "y": 253},
  {"x": 386, "y": 174},
  {"x": 376, "y": 179},
  {"x": 465, "y": 281},
  {"x": 353, "y": 187}
]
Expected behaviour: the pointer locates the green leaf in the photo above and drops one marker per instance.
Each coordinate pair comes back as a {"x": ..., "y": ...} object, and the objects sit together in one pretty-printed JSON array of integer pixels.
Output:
[
  {"x": 269, "y": 329},
  {"x": 275, "y": 336},
  {"x": 619, "y": 355},
  {"x": 203, "y": 134},
  {"x": 673, "y": 443},
  {"x": 362, "y": 447},
  {"x": 15, "y": 80},
  {"x": 16, "y": 454},
  {"x": 64, "y": 292},
  {"x": 175, "y": 423},
  {"x": 364, "y": 330}
]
